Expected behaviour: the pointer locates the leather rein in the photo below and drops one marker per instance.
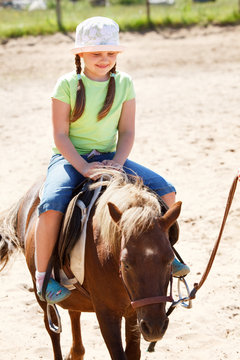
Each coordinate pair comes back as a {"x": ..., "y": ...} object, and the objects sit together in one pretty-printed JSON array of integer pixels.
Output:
[{"x": 197, "y": 286}]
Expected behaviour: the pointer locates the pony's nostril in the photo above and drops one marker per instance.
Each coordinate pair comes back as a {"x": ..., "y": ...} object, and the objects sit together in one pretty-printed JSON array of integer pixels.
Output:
[
  {"x": 145, "y": 328},
  {"x": 165, "y": 325}
]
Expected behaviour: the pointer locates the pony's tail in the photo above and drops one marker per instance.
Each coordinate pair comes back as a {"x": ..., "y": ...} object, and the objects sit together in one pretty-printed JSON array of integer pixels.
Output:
[
  {"x": 4, "y": 253},
  {"x": 9, "y": 242}
]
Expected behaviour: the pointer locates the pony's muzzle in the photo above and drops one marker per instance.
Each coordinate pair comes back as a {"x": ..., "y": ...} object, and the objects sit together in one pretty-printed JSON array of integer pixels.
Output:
[{"x": 153, "y": 332}]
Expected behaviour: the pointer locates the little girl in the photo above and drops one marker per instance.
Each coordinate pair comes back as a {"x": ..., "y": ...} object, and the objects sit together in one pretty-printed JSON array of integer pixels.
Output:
[{"x": 93, "y": 116}]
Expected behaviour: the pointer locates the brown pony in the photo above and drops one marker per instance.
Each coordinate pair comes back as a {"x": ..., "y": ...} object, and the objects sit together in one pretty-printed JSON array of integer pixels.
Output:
[{"x": 125, "y": 232}]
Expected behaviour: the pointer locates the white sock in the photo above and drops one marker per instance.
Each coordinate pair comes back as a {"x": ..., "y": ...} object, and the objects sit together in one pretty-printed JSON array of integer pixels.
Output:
[{"x": 39, "y": 279}]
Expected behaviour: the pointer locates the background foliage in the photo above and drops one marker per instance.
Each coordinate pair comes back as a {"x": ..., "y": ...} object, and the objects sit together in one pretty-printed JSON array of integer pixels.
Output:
[{"x": 130, "y": 15}]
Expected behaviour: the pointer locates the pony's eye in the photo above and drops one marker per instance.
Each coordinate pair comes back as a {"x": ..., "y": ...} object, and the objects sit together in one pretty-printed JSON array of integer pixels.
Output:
[{"x": 126, "y": 266}]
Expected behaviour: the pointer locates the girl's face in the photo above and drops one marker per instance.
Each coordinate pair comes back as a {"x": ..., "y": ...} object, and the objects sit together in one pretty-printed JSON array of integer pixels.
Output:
[{"x": 98, "y": 64}]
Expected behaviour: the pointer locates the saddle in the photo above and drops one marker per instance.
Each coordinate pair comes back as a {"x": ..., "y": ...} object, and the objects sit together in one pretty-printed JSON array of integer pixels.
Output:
[{"x": 68, "y": 258}]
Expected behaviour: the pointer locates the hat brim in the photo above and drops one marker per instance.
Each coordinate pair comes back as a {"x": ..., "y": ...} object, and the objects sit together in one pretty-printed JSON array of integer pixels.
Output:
[{"x": 93, "y": 48}]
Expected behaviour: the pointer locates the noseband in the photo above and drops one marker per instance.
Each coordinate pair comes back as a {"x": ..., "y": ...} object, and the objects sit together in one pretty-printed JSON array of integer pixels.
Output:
[
  {"x": 153, "y": 300},
  {"x": 150, "y": 300}
]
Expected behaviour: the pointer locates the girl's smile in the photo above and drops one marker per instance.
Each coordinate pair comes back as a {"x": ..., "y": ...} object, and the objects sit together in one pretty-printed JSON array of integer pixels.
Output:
[{"x": 99, "y": 64}]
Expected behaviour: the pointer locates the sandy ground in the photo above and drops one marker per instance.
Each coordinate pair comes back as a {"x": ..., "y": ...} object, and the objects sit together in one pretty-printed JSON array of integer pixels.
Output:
[{"x": 188, "y": 129}]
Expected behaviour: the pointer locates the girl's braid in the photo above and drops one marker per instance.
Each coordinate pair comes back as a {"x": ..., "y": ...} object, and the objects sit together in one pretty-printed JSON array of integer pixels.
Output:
[
  {"x": 113, "y": 70},
  {"x": 80, "y": 97},
  {"x": 110, "y": 95},
  {"x": 78, "y": 64}
]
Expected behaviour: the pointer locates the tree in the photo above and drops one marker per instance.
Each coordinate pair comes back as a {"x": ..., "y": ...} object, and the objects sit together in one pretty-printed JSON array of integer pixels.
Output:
[{"x": 59, "y": 14}]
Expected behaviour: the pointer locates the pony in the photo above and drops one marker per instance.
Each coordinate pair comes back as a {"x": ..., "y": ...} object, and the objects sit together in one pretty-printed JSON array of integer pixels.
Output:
[{"x": 128, "y": 261}]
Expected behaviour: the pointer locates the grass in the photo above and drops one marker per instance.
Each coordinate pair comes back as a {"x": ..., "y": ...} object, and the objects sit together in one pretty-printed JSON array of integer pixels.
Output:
[{"x": 15, "y": 23}]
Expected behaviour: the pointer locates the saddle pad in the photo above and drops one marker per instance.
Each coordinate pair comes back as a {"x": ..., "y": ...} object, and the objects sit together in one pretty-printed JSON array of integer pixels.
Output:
[{"x": 77, "y": 255}]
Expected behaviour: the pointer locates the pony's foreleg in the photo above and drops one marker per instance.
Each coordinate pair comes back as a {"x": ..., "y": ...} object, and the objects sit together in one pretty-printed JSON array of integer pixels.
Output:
[
  {"x": 133, "y": 338},
  {"x": 77, "y": 351},
  {"x": 110, "y": 326},
  {"x": 55, "y": 338}
]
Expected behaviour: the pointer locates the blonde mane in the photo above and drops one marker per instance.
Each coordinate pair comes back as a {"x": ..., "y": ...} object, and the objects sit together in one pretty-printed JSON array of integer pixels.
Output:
[{"x": 138, "y": 205}]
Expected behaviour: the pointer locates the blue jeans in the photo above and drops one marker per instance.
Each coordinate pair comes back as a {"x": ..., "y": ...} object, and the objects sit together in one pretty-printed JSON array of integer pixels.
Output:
[{"x": 62, "y": 178}]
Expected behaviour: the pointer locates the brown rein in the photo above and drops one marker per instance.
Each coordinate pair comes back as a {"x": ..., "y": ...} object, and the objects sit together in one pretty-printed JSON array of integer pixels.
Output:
[{"x": 197, "y": 286}]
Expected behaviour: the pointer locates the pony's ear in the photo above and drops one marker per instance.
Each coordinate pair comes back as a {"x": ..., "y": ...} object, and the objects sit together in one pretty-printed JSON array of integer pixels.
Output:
[
  {"x": 169, "y": 218},
  {"x": 114, "y": 212}
]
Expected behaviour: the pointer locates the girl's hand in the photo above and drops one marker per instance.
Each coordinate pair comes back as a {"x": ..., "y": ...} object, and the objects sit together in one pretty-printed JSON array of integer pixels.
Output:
[
  {"x": 89, "y": 170},
  {"x": 113, "y": 164}
]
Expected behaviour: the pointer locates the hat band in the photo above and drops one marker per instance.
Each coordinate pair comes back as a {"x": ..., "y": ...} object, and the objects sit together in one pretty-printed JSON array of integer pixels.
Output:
[
  {"x": 96, "y": 43},
  {"x": 92, "y": 48}
]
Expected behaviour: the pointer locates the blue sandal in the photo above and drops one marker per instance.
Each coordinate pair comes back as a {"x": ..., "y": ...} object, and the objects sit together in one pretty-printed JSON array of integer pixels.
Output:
[
  {"x": 55, "y": 292},
  {"x": 179, "y": 269}
]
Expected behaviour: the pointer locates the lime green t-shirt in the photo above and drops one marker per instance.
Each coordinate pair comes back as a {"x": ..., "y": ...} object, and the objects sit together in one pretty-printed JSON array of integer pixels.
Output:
[{"x": 88, "y": 133}]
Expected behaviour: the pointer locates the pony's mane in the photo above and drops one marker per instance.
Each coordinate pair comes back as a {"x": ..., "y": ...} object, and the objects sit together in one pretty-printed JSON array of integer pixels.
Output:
[{"x": 139, "y": 207}]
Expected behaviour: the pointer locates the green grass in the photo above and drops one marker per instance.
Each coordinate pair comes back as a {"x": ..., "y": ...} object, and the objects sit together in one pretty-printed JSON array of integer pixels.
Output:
[{"x": 14, "y": 23}]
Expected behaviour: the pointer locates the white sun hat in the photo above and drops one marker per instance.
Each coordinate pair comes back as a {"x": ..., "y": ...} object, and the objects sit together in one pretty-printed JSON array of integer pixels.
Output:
[{"x": 97, "y": 34}]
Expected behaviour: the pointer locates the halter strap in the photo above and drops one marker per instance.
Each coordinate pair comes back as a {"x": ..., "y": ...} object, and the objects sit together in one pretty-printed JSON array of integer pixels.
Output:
[{"x": 153, "y": 300}]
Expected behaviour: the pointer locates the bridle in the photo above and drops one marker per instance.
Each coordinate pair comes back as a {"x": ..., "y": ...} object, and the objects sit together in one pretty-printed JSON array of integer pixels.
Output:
[
  {"x": 161, "y": 298},
  {"x": 149, "y": 300},
  {"x": 187, "y": 300},
  {"x": 184, "y": 301}
]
